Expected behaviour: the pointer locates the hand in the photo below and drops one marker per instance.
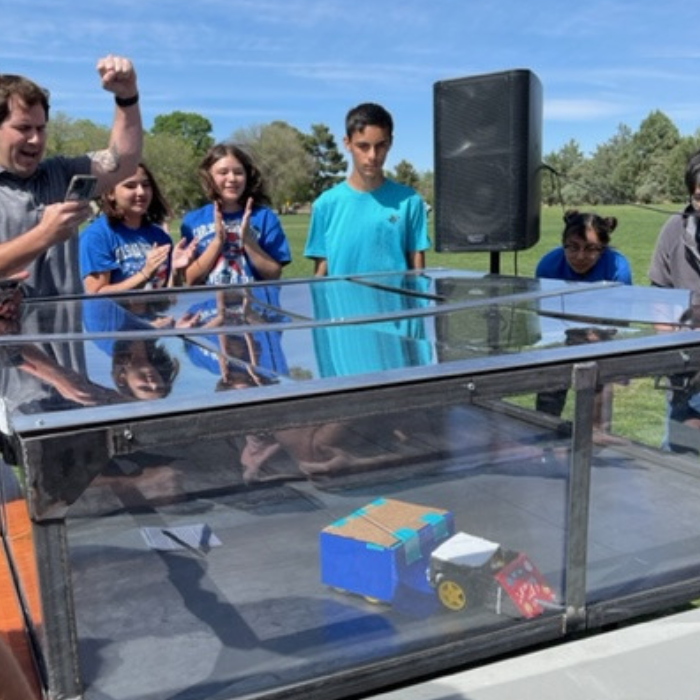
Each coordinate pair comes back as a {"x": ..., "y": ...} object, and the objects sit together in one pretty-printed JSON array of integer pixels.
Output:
[
  {"x": 189, "y": 320},
  {"x": 61, "y": 220},
  {"x": 163, "y": 322},
  {"x": 157, "y": 256},
  {"x": 183, "y": 254},
  {"x": 219, "y": 227},
  {"x": 118, "y": 75},
  {"x": 246, "y": 235}
]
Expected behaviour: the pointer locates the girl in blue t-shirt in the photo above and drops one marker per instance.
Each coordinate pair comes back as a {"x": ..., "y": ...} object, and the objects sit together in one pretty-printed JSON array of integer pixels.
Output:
[
  {"x": 585, "y": 254},
  {"x": 238, "y": 238},
  {"x": 128, "y": 247}
]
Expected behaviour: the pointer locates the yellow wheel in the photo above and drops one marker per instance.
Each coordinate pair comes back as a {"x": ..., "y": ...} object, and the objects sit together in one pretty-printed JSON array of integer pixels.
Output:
[{"x": 452, "y": 595}]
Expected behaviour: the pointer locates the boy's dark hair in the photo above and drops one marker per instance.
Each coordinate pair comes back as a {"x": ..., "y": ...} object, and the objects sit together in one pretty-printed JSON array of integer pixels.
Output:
[
  {"x": 255, "y": 185},
  {"x": 368, "y": 114},
  {"x": 26, "y": 90},
  {"x": 692, "y": 173}
]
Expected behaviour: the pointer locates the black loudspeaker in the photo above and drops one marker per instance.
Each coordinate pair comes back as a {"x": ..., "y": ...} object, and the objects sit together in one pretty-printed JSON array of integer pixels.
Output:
[{"x": 488, "y": 153}]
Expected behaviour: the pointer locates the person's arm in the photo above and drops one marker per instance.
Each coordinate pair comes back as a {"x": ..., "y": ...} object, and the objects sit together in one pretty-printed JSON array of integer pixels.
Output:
[
  {"x": 181, "y": 258},
  {"x": 202, "y": 265},
  {"x": 58, "y": 223},
  {"x": 320, "y": 267},
  {"x": 417, "y": 238},
  {"x": 123, "y": 154},
  {"x": 416, "y": 260},
  {"x": 315, "y": 248},
  {"x": 264, "y": 264},
  {"x": 70, "y": 384},
  {"x": 100, "y": 282}
]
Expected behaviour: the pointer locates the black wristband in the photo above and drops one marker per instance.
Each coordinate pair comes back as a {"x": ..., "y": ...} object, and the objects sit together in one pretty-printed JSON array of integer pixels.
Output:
[{"x": 126, "y": 101}]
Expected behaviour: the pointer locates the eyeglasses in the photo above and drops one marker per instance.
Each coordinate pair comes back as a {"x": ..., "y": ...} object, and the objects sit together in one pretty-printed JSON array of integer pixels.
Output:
[{"x": 588, "y": 250}]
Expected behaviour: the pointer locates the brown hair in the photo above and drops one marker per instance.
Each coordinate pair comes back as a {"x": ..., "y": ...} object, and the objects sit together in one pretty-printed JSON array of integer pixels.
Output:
[
  {"x": 165, "y": 365},
  {"x": 255, "y": 186},
  {"x": 158, "y": 210},
  {"x": 26, "y": 90}
]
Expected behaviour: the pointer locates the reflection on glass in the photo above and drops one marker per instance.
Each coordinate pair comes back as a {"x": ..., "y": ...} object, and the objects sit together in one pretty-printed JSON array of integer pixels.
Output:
[
  {"x": 242, "y": 359},
  {"x": 683, "y": 395},
  {"x": 343, "y": 350},
  {"x": 553, "y": 402},
  {"x": 489, "y": 328},
  {"x": 142, "y": 368}
]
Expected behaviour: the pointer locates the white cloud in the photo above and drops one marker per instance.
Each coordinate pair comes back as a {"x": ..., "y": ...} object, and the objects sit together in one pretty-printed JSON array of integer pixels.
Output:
[{"x": 577, "y": 110}]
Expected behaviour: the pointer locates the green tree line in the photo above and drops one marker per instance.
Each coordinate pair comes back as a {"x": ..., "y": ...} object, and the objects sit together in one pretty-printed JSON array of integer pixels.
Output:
[
  {"x": 643, "y": 166},
  {"x": 633, "y": 167}
]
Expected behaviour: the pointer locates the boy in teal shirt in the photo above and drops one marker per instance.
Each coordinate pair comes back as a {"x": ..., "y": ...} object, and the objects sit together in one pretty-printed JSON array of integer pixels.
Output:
[{"x": 368, "y": 223}]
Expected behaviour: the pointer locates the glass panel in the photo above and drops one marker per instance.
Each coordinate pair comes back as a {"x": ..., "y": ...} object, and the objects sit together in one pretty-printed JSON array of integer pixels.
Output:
[
  {"x": 260, "y": 560},
  {"x": 645, "y": 486},
  {"x": 408, "y": 407}
]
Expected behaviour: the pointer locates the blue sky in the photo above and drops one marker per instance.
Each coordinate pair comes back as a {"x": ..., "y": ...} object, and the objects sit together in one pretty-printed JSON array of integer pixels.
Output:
[{"x": 239, "y": 63}]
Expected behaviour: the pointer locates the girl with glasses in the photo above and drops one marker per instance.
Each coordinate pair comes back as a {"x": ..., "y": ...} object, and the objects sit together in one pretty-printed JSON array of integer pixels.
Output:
[{"x": 585, "y": 254}]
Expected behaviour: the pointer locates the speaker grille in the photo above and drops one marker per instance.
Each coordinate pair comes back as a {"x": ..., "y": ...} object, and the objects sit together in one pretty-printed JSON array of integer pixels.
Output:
[{"x": 488, "y": 151}]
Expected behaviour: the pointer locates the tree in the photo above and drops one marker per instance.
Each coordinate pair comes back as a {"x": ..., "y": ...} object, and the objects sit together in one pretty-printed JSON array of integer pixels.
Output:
[
  {"x": 191, "y": 127},
  {"x": 329, "y": 163},
  {"x": 175, "y": 162},
  {"x": 426, "y": 187},
  {"x": 607, "y": 176},
  {"x": 280, "y": 152},
  {"x": 559, "y": 183},
  {"x": 677, "y": 161},
  {"x": 71, "y": 137},
  {"x": 406, "y": 174},
  {"x": 656, "y": 138}
]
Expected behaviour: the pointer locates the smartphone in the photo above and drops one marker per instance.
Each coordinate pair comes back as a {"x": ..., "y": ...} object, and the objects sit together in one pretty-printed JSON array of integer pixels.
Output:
[{"x": 81, "y": 188}]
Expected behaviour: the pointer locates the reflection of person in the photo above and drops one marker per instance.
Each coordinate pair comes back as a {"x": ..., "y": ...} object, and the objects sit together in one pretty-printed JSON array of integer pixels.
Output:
[
  {"x": 676, "y": 264},
  {"x": 38, "y": 381},
  {"x": 241, "y": 359},
  {"x": 238, "y": 237},
  {"x": 585, "y": 254},
  {"x": 73, "y": 386},
  {"x": 368, "y": 223},
  {"x": 37, "y": 228},
  {"x": 344, "y": 349},
  {"x": 127, "y": 247},
  {"x": 684, "y": 395},
  {"x": 676, "y": 259},
  {"x": 142, "y": 368}
]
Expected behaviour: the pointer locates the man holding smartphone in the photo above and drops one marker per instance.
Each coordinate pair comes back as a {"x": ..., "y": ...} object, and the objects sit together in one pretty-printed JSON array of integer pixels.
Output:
[{"x": 37, "y": 227}]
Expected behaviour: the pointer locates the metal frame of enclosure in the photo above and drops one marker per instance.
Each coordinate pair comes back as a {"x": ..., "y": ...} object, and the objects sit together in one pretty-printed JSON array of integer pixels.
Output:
[{"x": 185, "y": 460}]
